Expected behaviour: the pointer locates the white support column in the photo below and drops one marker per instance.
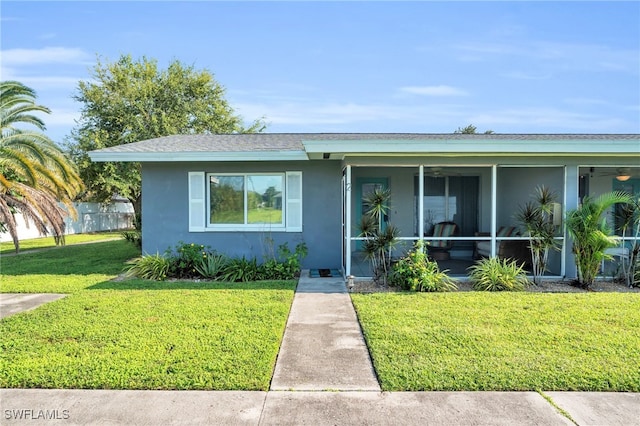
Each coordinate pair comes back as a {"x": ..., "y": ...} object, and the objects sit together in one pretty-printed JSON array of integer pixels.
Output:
[
  {"x": 494, "y": 207},
  {"x": 421, "y": 203},
  {"x": 347, "y": 225},
  {"x": 571, "y": 202}
]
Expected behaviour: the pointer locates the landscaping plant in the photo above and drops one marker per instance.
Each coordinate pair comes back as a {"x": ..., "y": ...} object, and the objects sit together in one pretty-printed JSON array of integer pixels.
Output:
[
  {"x": 149, "y": 267},
  {"x": 240, "y": 270},
  {"x": 494, "y": 274},
  {"x": 591, "y": 233},
  {"x": 537, "y": 218},
  {"x": 286, "y": 265},
  {"x": 379, "y": 242},
  {"x": 211, "y": 265},
  {"x": 184, "y": 259},
  {"x": 416, "y": 272}
]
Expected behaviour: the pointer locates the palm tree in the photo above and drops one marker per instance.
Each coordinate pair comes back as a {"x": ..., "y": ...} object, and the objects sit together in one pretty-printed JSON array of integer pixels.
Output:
[
  {"x": 591, "y": 233},
  {"x": 34, "y": 173},
  {"x": 537, "y": 218}
]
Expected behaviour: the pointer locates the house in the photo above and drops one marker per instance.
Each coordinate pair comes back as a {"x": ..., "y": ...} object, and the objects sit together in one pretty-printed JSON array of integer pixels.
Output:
[{"x": 237, "y": 192}]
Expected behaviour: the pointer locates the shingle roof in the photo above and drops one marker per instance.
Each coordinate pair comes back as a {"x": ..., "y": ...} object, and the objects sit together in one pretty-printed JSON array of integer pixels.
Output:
[
  {"x": 304, "y": 146},
  {"x": 267, "y": 142}
]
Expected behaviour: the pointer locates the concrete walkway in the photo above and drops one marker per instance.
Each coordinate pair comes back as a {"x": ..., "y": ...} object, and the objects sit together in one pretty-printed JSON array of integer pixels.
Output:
[
  {"x": 322, "y": 349},
  {"x": 13, "y": 303}
]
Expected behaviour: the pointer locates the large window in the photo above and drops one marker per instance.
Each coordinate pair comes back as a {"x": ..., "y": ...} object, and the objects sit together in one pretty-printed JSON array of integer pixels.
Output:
[
  {"x": 245, "y": 201},
  {"x": 253, "y": 199}
]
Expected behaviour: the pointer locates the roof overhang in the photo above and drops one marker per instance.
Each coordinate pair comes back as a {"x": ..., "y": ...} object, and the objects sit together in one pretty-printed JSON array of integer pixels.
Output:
[
  {"x": 201, "y": 156},
  {"x": 340, "y": 149}
]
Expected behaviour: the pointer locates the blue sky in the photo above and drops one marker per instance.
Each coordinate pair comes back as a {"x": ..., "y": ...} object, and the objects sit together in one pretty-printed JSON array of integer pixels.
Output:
[{"x": 513, "y": 67}]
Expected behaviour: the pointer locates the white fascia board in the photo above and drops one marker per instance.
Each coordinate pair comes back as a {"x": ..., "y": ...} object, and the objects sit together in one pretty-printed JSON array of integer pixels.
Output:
[
  {"x": 98, "y": 156},
  {"x": 471, "y": 147}
]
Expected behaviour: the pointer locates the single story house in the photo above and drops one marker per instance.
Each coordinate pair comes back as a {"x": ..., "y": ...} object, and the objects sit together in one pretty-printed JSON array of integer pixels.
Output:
[{"x": 242, "y": 194}]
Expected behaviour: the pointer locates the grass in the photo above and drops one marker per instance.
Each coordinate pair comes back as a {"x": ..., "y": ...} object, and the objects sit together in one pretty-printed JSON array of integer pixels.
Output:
[
  {"x": 136, "y": 334},
  {"x": 487, "y": 341},
  {"x": 215, "y": 337},
  {"x": 48, "y": 242},
  {"x": 66, "y": 269}
]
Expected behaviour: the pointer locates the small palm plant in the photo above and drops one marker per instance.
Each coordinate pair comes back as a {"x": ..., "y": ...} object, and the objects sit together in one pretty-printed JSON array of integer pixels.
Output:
[
  {"x": 537, "y": 218},
  {"x": 379, "y": 243},
  {"x": 591, "y": 233},
  {"x": 494, "y": 274}
]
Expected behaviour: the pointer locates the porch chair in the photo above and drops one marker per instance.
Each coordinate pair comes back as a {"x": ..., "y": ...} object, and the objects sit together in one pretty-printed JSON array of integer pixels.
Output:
[
  {"x": 439, "y": 249},
  {"x": 517, "y": 250}
]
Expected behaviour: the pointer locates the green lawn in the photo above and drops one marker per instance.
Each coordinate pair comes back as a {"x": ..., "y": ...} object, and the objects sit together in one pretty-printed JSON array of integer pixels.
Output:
[
  {"x": 503, "y": 341},
  {"x": 7, "y": 247},
  {"x": 136, "y": 334},
  {"x": 65, "y": 269}
]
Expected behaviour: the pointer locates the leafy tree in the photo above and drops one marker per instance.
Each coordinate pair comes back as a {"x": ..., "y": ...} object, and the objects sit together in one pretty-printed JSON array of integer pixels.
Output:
[
  {"x": 132, "y": 100},
  {"x": 34, "y": 172},
  {"x": 470, "y": 130}
]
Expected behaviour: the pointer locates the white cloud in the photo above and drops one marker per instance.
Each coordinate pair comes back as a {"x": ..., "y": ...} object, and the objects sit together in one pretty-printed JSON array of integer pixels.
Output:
[
  {"x": 441, "y": 90},
  {"x": 47, "y": 55},
  {"x": 558, "y": 55},
  {"x": 429, "y": 117},
  {"x": 62, "y": 117},
  {"x": 550, "y": 119}
]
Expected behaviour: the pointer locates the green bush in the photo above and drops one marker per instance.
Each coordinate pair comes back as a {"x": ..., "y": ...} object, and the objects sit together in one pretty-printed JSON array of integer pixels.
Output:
[
  {"x": 184, "y": 259},
  {"x": 240, "y": 270},
  {"x": 211, "y": 265},
  {"x": 493, "y": 274},
  {"x": 134, "y": 237},
  {"x": 148, "y": 267},
  {"x": 286, "y": 265},
  {"x": 416, "y": 272}
]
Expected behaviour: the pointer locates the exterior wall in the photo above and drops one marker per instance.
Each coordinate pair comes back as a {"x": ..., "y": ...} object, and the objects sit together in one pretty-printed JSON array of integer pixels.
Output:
[
  {"x": 165, "y": 211},
  {"x": 165, "y": 199}
]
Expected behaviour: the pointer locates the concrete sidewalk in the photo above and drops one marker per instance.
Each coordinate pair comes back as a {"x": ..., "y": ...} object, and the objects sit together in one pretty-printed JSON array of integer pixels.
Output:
[
  {"x": 323, "y": 347},
  {"x": 13, "y": 303},
  {"x": 106, "y": 407}
]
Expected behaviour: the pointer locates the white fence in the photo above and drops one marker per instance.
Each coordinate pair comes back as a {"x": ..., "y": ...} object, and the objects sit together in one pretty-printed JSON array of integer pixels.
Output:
[{"x": 92, "y": 217}]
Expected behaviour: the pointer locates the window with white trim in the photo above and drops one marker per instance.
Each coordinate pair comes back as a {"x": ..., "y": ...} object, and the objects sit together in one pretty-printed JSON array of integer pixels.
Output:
[{"x": 245, "y": 201}]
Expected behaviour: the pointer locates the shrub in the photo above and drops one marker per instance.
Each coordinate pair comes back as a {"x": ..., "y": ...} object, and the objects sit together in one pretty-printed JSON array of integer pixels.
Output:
[
  {"x": 493, "y": 274},
  {"x": 416, "y": 272},
  {"x": 286, "y": 265},
  {"x": 211, "y": 265},
  {"x": 148, "y": 267},
  {"x": 240, "y": 270},
  {"x": 134, "y": 237},
  {"x": 184, "y": 259}
]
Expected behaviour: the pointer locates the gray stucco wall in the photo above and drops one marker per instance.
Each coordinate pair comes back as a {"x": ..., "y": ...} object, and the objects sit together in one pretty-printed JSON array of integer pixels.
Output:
[{"x": 165, "y": 211}]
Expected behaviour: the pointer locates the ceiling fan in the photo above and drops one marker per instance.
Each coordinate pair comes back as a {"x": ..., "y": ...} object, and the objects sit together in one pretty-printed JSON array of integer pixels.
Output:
[
  {"x": 439, "y": 172},
  {"x": 621, "y": 174}
]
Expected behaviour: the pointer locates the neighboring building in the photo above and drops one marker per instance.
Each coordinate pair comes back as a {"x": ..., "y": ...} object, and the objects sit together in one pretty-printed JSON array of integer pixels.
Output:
[{"x": 235, "y": 192}]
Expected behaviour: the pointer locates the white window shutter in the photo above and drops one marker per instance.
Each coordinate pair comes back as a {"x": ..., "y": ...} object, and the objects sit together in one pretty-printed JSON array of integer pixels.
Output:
[
  {"x": 196, "y": 202},
  {"x": 294, "y": 201}
]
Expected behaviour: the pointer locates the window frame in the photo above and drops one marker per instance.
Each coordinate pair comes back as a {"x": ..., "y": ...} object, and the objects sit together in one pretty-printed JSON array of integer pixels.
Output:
[
  {"x": 246, "y": 225},
  {"x": 200, "y": 203}
]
